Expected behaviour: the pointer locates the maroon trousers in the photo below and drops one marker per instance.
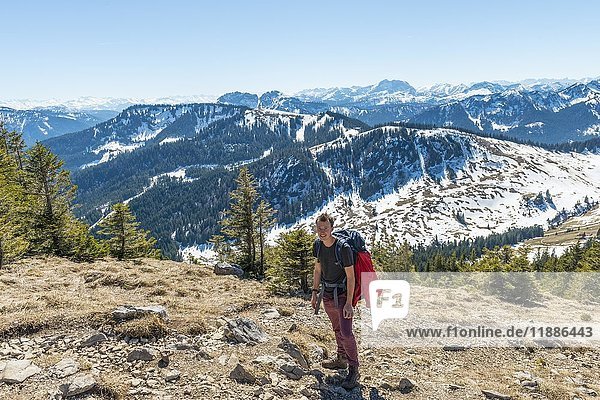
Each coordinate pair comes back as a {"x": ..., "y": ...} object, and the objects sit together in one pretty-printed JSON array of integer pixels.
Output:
[{"x": 342, "y": 327}]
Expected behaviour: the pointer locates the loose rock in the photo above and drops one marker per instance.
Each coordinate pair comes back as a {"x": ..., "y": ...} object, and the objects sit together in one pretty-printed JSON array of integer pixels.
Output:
[
  {"x": 172, "y": 375},
  {"x": 490, "y": 394},
  {"x": 79, "y": 385},
  {"x": 94, "y": 339},
  {"x": 244, "y": 330},
  {"x": 16, "y": 371},
  {"x": 271, "y": 313},
  {"x": 144, "y": 354},
  {"x": 293, "y": 350},
  {"x": 131, "y": 312},
  {"x": 241, "y": 375},
  {"x": 406, "y": 385},
  {"x": 64, "y": 368},
  {"x": 292, "y": 371}
]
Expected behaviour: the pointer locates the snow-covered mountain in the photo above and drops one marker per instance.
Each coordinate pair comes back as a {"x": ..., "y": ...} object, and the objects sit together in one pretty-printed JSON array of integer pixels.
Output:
[
  {"x": 544, "y": 110},
  {"x": 102, "y": 103},
  {"x": 550, "y": 111},
  {"x": 572, "y": 113},
  {"x": 390, "y": 182},
  {"x": 41, "y": 124},
  {"x": 413, "y": 184},
  {"x": 142, "y": 126},
  {"x": 134, "y": 128},
  {"x": 239, "y": 99},
  {"x": 396, "y": 91}
]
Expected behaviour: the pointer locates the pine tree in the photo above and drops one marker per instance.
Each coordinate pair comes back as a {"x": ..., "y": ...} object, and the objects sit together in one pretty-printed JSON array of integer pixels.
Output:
[
  {"x": 390, "y": 257},
  {"x": 125, "y": 239},
  {"x": 13, "y": 241},
  {"x": 239, "y": 222},
  {"x": 220, "y": 246},
  {"x": 294, "y": 262},
  {"x": 591, "y": 257},
  {"x": 50, "y": 194},
  {"x": 81, "y": 244},
  {"x": 265, "y": 220}
]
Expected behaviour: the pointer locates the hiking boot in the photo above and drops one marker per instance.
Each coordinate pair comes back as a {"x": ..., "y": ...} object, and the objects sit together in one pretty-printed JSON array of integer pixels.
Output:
[
  {"x": 352, "y": 378},
  {"x": 339, "y": 362}
]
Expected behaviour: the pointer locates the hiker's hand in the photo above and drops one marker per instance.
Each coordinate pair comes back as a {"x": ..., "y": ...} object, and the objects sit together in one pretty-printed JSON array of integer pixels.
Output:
[
  {"x": 348, "y": 311},
  {"x": 313, "y": 300}
]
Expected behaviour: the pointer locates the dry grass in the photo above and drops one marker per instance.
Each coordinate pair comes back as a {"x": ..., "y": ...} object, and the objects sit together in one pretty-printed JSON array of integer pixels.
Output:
[
  {"x": 27, "y": 322},
  {"x": 45, "y": 294},
  {"x": 194, "y": 325},
  {"x": 285, "y": 311},
  {"x": 113, "y": 386},
  {"x": 146, "y": 326},
  {"x": 555, "y": 391}
]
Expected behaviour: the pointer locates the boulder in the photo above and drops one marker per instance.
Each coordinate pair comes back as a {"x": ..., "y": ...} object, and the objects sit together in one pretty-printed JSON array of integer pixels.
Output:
[
  {"x": 241, "y": 375},
  {"x": 228, "y": 269},
  {"x": 244, "y": 330},
  {"x": 16, "y": 371},
  {"x": 143, "y": 353},
  {"x": 79, "y": 385},
  {"x": 64, "y": 368},
  {"x": 293, "y": 350}
]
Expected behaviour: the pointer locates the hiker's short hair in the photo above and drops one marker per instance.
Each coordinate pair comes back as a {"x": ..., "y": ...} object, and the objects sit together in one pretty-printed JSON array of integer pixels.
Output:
[{"x": 325, "y": 217}]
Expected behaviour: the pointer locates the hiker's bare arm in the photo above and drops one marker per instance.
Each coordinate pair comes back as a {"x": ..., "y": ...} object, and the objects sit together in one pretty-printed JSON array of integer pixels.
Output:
[
  {"x": 317, "y": 275},
  {"x": 316, "y": 283},
  {"x": 350, "y": 281}
]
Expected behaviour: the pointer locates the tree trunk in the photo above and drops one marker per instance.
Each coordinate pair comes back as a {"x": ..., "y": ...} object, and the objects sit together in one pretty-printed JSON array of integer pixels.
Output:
[
  {"x": 262, "y": 247},
  {"x": 122, "y": 244},
  {"x": 1, "y": 253},
  {"x": 51, "y": 216}
]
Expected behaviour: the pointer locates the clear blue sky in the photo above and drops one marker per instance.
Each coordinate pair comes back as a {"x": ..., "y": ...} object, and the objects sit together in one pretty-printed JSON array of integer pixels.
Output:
[{"x": 130, "y": 48}]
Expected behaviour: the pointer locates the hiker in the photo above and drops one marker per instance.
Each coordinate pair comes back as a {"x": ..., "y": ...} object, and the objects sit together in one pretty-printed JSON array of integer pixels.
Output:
[{"x": 337, "y": 279}]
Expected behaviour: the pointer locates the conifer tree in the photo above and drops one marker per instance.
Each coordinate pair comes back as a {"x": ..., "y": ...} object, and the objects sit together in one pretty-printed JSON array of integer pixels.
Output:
[
  {"x": 125, "y": 239},
  {"x": 13, "y": 241},
  {"x": 265, "y": 220},
  {"x": 294, "y": 262},
  {"x": 239, "y": 222},
  {"x": 591, "y": 258},
  {"x": 220, "y": 246},
  {"x": 81, "y": 244},
  {"x": 391, "y": 257},
  {"x": 50, "y": 194}
]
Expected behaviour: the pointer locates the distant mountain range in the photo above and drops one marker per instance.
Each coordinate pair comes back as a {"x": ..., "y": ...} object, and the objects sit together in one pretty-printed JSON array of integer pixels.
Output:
[
  {"x": 43, "y": 119},
  {"x": 101, "y": 103},
  {"x": 542, "y": 111},
  {"x": 41, "y": 124},
  {"x": 394, "y": 161},
  {"x": 546, "y": 111},
  {"x": 175, "y": 165}
]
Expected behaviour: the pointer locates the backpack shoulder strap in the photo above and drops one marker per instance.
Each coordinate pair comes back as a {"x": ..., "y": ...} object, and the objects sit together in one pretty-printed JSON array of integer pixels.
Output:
[
  {"x": 317, "y": 247},
  {"x": 339, "y": 245}
]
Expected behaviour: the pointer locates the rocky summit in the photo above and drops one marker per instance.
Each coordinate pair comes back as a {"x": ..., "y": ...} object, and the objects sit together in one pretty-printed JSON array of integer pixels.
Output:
[{"x": 192, "y": 334}]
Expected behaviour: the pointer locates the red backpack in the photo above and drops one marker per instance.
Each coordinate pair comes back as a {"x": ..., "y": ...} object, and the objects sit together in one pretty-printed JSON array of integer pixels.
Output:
[{"x": 362, "y": 261}]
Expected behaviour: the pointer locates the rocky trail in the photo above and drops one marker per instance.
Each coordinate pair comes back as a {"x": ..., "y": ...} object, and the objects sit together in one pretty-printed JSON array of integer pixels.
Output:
[{"x": 67, "y": 333}]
